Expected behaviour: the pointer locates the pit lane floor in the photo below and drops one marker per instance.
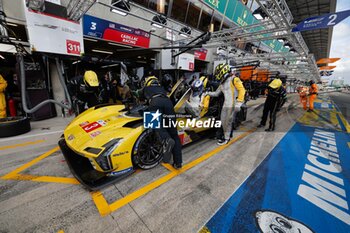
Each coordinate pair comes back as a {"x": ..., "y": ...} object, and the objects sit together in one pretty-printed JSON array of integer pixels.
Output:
[{"x": 38, "y": 193}]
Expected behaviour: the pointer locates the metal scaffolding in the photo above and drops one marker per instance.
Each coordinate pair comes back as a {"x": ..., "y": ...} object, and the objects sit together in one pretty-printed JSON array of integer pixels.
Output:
[
  {"x": 277, "y": 25},
  {"x": 77, "y": 8}
]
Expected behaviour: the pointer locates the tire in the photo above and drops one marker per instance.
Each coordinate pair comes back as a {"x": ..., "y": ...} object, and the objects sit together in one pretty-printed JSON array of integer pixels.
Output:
[
  {"x": 12, "y": 126},
  {"x": 148, "y": 150}
]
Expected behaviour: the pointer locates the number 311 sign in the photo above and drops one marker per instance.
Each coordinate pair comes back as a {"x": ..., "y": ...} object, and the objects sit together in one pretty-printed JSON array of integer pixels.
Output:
[{"x": 73, "y": 47}]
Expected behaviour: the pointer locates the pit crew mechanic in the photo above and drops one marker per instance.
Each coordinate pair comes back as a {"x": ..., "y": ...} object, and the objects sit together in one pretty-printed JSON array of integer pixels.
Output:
[
  {"x": 157, "y": 100},
  {"x": 3, "y": 85},
  {"x": 231, "y": 87},
  {"x": 276, "y": 98},
  {"x": 85, "y": 90},
  {"x": 313, "y": 92}
]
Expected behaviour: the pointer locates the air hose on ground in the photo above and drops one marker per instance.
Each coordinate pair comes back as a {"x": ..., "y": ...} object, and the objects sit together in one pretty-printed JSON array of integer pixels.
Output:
[{"x": 23, "y": 89}]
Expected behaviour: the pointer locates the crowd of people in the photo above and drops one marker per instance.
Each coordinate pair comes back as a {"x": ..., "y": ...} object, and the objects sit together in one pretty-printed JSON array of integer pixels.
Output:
[{"x": 87, "y": 90}]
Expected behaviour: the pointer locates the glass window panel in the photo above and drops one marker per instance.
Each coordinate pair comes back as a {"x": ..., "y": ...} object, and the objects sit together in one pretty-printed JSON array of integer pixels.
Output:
[
  {"x": 205, "y": 21},
  {"x": 217, "y": 21},
  {"x": 179, "y": 10},
  {"x": 161, "y": 6},
  {"x": 193, "y": 15},
  {"x": 142, "y": 2}
]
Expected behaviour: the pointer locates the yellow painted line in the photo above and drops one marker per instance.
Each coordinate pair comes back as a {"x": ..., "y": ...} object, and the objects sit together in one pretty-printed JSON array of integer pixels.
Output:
[
  {"x": 31, "y": 163},
  {"x": 155, "y": 184},
  {"x": 142, "y": 191},
  {"x": 21, "y": 145},
  {"x": 169, "y": 167},
  {"x": 345, "y": 122},
  {"x": 204, "y": 230},
  {"x": 101, "y": 203},
  {"x": 47, "y": 179}
]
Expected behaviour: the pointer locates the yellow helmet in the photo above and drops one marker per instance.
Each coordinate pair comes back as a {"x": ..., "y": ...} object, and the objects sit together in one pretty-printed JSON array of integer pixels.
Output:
[
  {"x": 222, "y": 71},
  {"x": 90, "y": 78},
  {"x": 204, "y": 80},
  {"x": 151, "y": 81},
  {"x": 276, "y": 83}
]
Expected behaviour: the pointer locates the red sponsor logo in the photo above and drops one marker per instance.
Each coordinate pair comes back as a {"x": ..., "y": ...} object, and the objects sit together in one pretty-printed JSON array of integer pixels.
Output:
[
  {"x": 126, "y": 38},
  {"x": 73, "y": 47},
  {"x": 91, "y": 127},
  {"x": 191, "y": 66},
  {"x": 200, "y": 54}
]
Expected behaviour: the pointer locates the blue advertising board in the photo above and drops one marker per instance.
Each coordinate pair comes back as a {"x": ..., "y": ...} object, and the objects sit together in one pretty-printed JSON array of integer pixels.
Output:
[
  {"x": 323, "y": 21},
  {"x": 107, "y": 30},
  {"x": 302, "y": 186}
]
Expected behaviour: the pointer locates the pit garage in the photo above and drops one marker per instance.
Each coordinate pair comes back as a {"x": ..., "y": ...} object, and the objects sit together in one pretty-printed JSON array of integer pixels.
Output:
[{"x": 260, "y": 181}]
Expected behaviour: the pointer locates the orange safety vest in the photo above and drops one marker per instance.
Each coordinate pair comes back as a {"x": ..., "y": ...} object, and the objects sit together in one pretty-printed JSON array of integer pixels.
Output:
[{"x": 313, "y": 89}]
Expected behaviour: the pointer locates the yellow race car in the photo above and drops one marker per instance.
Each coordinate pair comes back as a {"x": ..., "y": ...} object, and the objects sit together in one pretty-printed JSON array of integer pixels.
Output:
[{"x": 108, "y": 142}]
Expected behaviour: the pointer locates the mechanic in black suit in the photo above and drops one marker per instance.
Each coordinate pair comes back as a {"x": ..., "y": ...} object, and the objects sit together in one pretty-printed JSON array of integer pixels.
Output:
[{"x": 157, "y": 99}]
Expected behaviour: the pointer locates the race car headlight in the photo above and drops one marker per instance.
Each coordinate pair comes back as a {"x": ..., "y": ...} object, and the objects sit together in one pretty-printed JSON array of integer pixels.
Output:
[{"x": 104, "y": 159}]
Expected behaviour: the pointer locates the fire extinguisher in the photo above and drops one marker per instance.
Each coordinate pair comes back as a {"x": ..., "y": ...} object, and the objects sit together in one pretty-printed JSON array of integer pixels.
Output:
[{"x": 12, "y": 107}]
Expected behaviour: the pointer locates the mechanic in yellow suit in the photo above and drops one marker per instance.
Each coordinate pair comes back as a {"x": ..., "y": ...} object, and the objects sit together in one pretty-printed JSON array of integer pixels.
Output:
[
  {"x": 231, "y": 87},
  {"x": 313, "y": 92},
  {"x": 303, "y": 97},
  {"x": 3, "y": 85},
  {"x": 239, "y": 92}
]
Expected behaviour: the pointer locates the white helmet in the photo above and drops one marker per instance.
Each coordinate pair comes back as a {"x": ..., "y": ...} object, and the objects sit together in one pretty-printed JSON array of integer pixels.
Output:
[{"x": 197, "y": 87}]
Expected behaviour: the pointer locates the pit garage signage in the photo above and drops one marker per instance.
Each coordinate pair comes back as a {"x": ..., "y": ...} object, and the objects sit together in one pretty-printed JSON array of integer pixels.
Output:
[
  {"x": 323, "y": 21},
  {"x": 201, "y": 54},
  {"x": 52, "y": 34},
  {"x": 186, "y": 62},
  {"x": 103, "y": 29}
]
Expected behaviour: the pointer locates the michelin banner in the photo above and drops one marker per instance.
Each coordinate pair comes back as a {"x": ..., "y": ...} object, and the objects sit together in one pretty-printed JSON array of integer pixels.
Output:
[{"x": 303, "y": 186}]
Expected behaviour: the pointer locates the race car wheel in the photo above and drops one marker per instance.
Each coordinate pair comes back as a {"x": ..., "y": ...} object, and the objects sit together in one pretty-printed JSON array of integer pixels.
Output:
[
  {"x": 148, "y": 150},
  {"x": 12, "y": 126}
]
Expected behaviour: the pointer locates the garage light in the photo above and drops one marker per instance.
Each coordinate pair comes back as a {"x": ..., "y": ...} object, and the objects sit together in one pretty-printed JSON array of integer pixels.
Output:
[
  {"x": 260, "y": 14},
  {"x": 121, "y": 7},
  {"x": 101, "y": 51},
  {"x": 121, "y": 45},
  {"x": 12, "y": 24},
  {"x": 159, "y": 21},
  {"x": 185, "y": 32},
  {"x": 93, "y": 40},
  {"x": 76, "y": 62},
  {"x": 288, "y": 46},
  {"x": 108, "y": 66}
]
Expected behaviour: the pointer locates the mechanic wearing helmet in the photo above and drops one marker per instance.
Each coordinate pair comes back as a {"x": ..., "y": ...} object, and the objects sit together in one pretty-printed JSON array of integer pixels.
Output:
[
  {"x": 85, "y": 90},
  {"x": 313, "y": 92},
  {"x": 229, "y": 86},
  {"x": 167, "y": 82},
  {"x": 3, "y": 85},
  {"x": 197, "y": 105},
  {"x": 157, "y": 100},
  {"x": 276, "y": 97},
  {"x": 303, "y": 96}
]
